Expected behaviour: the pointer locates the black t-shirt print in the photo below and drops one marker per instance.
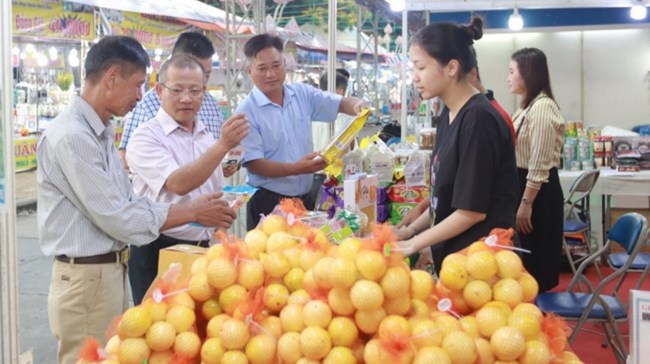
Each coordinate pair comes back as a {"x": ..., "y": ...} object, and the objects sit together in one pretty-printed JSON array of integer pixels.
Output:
[{"x": 473, "y": 168}]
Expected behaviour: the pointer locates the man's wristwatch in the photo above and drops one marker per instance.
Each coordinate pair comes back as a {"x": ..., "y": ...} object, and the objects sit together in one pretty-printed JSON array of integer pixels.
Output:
[{"x": 526, "y": 201}]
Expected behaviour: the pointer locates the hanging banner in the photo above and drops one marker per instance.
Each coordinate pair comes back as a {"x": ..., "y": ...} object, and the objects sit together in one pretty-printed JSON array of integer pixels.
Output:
[
  {"x": 25, "y": 153},
  {"x": 153, "y": 31},
  {"x": 53, "y": 19}
]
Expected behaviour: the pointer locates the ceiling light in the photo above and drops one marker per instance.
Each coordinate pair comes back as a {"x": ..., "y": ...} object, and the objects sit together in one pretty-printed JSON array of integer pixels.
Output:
[
  {"x": 638, "y": 10},
  {"x": 516, "y": 22},
  {"x": 397, "y": 5}
]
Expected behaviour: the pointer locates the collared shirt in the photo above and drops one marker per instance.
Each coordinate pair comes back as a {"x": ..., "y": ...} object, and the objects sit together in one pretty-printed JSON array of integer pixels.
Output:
[
  {"x": 159, "y": 147},
  {"x": 540, "y": 129},
  {"x": 210, "y": 113},
  {"x": 282, "y": 133},
  {"x": 85, "y": 201}
]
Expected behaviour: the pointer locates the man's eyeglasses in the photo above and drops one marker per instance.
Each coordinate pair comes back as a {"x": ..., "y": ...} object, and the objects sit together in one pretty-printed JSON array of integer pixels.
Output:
[{"x": 178, "y": 92}]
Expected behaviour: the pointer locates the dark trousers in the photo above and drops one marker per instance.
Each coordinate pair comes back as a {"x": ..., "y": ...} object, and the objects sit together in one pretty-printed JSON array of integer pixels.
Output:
[
  {"x": 143, "y": 263},
  {"x": 262, "y": 203}
]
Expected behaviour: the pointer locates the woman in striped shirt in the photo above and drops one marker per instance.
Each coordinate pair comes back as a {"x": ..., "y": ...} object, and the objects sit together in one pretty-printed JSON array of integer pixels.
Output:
[{"x": 539, "y": 127}]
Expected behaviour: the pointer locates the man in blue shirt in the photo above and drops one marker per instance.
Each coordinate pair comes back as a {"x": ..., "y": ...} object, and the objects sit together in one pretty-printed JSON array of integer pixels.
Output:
[
  {"x": 279, "y": 155},
  {"x": 200, "y": 48}
]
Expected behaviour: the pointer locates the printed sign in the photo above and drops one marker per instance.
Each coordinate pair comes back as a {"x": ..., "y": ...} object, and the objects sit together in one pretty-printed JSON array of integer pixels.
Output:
[
  {"x": 25, "y": 153},
  {"x": 153, "y": 31},
  {"x": 53, "y": 18}
]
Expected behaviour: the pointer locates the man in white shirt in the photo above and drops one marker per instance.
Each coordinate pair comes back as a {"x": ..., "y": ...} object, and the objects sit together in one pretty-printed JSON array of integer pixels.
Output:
[{"x": 174, "y": 158}]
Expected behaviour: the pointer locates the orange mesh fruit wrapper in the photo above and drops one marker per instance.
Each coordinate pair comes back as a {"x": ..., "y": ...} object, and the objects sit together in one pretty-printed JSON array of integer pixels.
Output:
[
  {"x": 383, "y": 240},
  {"x": 91, "y": 352},
  {"x": 557, "y": 331}
]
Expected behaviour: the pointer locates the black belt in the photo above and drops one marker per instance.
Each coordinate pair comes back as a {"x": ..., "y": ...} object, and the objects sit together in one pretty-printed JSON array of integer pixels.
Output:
[
  {"x": 121, "y": 256},
  {"x": 173, "y": 241},
  {"x": 279, "y": 196}
]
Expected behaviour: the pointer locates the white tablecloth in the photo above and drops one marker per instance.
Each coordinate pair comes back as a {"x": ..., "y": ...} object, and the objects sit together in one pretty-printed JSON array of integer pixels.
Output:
[{"x": 612, "y": 182}]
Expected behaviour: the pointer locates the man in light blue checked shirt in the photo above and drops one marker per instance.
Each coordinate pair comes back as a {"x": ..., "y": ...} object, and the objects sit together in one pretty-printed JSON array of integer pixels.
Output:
[{"x": 198, "y": 46}]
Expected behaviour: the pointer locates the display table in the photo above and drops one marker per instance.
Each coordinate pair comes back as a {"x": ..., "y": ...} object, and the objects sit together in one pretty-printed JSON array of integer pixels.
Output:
[{"x": 611, "y": 183}]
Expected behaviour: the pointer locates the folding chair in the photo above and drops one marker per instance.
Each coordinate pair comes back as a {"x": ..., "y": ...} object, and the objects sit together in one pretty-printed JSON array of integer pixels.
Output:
[
  {"x": 577, "y": 220},
  {"x": 630, "y": 232}
]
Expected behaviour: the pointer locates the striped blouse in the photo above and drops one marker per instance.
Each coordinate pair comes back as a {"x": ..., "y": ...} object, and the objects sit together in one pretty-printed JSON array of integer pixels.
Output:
[
  {"x": 539, "y": 139},
  {"x": 86, "y": 204}
]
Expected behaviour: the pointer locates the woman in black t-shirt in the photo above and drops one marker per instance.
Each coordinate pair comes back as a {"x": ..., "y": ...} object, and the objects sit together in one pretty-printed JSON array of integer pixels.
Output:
[{"x": 473, "y": 166}]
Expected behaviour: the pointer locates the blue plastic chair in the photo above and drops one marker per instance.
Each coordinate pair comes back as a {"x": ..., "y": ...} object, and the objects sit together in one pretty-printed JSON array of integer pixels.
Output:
[
  {"x": 577, "y": 219},
  {"x": 630, "y": 232}
]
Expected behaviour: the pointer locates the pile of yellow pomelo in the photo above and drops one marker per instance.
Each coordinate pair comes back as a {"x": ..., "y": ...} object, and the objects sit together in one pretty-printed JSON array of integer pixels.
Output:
[{"x": 286, "y": 294}]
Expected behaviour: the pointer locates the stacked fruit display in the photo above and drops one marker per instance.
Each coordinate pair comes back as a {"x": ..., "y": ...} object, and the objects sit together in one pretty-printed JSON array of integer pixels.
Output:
[{"x": 285, "y": 294}]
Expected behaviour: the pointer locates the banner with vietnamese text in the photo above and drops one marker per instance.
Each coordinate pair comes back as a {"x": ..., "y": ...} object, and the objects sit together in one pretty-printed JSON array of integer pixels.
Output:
[{"x": 53, "y": 19}]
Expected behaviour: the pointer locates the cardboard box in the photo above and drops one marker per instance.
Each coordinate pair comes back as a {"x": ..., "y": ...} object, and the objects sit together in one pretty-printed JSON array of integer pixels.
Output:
[
  {"x": 360, "y": 192},
  {"x": 181, "y": 253}
]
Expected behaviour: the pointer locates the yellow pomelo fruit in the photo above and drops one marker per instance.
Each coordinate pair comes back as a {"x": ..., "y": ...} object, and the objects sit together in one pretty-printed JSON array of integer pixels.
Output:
[
  {"x": 133, "y": 351},
  {"x": 366, "y": 295},
  {"x": 470, "y": 326},
  {"x": 420, "y": 308},
  {"x": 291, "y": 318},
  {"x": 323, "y": 271},
  {"x": 504, "y": 308},
  {"x": 275, "y": 297},
  {"x": 309, "y": 257},
  {"x": 340, "y": 355},
  {"x": 161, "y": 336},
  {"x": 234, "y": 357},
  {"x": 371, "y": 265},
  {"x": 509, "y": 264},
  {"x": 315, "y": 342},
  {"x": 454, "y": 258},
  {"x": 349, "y": 248},
  {"x": 430, "y": 355},
  {"x": 507, "y": 343},
  {"x": 529, "y": 285},
  {"x": 393, "y": 325},
  {"x": 280, "y": 241},
  {"x": 368, "y": 321},
  {"x": 316, "y": 313},
  {"x": 477, "y": 246},
  {"x": 448, "y": 323},
  {"x": 182, "y": 299},
  {"x": 427, "y": 333},
  {"x": 181, "y": 317},
  {"x": 199, "y": 265},
  {"x": 482, "y": 265},
  {"x": 309, "y": 282},
  {"x": 289, "y": 347},
  {"x": 214, "y": 325},
  {"x": 396, "y": 282},
  {"x": 221, "y": 273},
  {"x": 508, "y": 291},
  {"x": 231, "y": 297},
  {"x": 161, "y": 357},
  {"x": 453, "y": 275},
  {"x": 199, "y": 288},
  {"x": 157, "y": 310},
  {"x": 272, "y": 326},
  {"x": 299, "y": 297},
  {"x": 484, "y": 351},
  {"x": 187, "y": 345},
  {"x": 477, "y": 293},
  {"x": 299, "y": 229},
  {"x": 460, "y": 347},
  {"x": 343, "y": 273},
  {"x": 211, "y": 308},
  {"x": 343, "y": 331},
  {"x": 260, "y": 349},
  {"x": 293, "y": 254},
  {"x": 113, "y": 346},
  {"x": 397, "y": 306},
  {"x": 422, "y": 284},
  {"x": 251, "y": 274},
  {"x": 234, "y": 334},
  {"x": 212, "y": 351},
  {"x": 340, "y": 302},
  {"x": 273, "y": 223},
  {"x": 216, "y": 251},
  {"x": 255, "y": 241},
  {"x": 293, "y": 279},
  {"x": 527, "y": 324},
  {"x": 135, "y": 322},
  {"x": 371, "y": 352},
  {"x": 536, "y": 353},
  {"x": 529, "y": 309},
  {"x": 489, "y": 320},
  {"x": 276, "y": 264}
]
